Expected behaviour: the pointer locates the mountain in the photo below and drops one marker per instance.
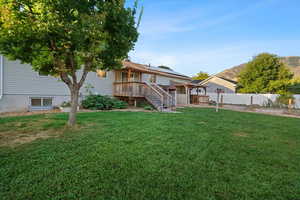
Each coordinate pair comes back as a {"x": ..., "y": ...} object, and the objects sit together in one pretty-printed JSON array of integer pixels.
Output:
[{"x": 292, "y": 62}]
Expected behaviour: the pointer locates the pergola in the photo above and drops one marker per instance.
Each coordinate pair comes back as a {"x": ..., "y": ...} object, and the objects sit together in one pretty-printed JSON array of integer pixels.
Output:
[{"x": 193, "y": 99}]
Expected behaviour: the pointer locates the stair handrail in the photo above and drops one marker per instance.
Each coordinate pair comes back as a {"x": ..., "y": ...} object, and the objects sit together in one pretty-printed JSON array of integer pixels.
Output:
[
  {"x": 169, "y": 97},
  {"x": 157, "y": 92},
  {"x": 165, "y": 92}
]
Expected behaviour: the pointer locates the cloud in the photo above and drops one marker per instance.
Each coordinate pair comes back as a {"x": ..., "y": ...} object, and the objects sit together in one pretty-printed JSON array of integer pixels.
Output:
[
  {"x": 190, "y": 19},
  {"x": 214, "y": 59},
  {"x": 192, "y": 61},
  {"x": 159, "y": 38}
]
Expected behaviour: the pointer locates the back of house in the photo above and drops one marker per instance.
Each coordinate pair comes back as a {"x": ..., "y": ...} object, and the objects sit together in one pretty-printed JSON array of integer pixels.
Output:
[{"x": 22, "y": 89}]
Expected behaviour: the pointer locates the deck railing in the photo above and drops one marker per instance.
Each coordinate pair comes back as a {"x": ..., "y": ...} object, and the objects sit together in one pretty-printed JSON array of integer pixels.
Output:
[
  {"x": 129, "y": 89},
  {"x": 153, "y": 94},
  {"x": 168, "y": 100}
]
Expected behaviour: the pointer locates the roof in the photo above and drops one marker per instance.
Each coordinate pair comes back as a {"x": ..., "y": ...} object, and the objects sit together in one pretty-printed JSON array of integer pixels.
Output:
[
  {"x": 196, "y": 81},
  {"x": 229, "y": 80},
  {"x": 155, "y": 70},
  {"x": 225, "y": 79},
  {"x": 166, "y": 71}
]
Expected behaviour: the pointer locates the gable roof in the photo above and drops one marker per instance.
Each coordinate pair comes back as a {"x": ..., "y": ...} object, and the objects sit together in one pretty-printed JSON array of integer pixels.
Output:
[
  {"x": 155, "y": 70},
  {"x": 216, "y": 76}
]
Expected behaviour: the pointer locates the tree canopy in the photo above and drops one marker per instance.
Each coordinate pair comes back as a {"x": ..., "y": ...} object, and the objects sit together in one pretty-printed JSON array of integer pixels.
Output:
[
  {"x": 265, "y": 74},
  {"x": 201, "y": 76},
  {"x": 60, "y": 37},
  {"x": 165, "y": 67}
]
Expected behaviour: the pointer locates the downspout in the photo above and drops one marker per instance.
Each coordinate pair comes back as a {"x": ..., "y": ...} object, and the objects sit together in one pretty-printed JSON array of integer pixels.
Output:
[{"x": 1, "y": 76}]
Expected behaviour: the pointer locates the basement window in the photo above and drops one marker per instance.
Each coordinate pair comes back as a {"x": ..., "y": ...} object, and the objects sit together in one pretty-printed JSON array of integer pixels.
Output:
[{"x": 41, "y": 103}]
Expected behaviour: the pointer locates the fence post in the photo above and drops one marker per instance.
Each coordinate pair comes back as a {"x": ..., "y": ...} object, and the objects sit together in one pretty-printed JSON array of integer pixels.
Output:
[
  {"x": 222, "y": 100},
  {"x": 251, "y": 101},
  {"x": 217, "y": 108},
  {"x": 290, "y": 103}
]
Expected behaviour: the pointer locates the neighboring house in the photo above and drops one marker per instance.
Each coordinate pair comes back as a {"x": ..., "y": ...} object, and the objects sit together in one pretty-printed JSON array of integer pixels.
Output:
[
  {"x": 216, "y": 82},
  {"x": 21, "y": 88}
]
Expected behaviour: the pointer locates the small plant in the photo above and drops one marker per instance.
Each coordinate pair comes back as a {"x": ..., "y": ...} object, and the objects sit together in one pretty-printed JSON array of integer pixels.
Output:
[
  {"x": 148, "y": 107},
  {"x": 66, "y": 104},
  {"x": 142, "y": 104}
]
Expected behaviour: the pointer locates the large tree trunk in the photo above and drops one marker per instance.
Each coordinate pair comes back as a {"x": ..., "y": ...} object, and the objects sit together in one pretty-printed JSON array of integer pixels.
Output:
[
  {"x": 74, "y": 106},
  {"x": 74, "y": 87}
]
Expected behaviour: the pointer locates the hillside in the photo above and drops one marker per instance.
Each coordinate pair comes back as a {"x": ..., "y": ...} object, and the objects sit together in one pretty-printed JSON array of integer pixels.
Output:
[{"x": 293, "y": 63}]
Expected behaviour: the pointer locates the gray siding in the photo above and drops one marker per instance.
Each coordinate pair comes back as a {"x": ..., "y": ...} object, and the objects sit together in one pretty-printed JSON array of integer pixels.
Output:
[
  {"x": 12, "y": 103},
  {"x": 21, "y": 79},
  {"x": 212, "y": 87},
  {"x": 21, "y": 83}
]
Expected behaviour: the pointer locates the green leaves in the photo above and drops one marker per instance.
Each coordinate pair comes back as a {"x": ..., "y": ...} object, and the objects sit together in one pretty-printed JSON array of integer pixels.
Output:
[
  {"x": 265, "y": 74},
  {"x": 44, "y": 33},
  {"x": 201, "y": 76},
  {"x": 99, "y": 102}
]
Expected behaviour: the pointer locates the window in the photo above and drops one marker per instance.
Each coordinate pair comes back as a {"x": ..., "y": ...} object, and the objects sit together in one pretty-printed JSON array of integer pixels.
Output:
[
  {"x": 152, "y": 78},
  {"x": 134, "y": 76},
  {"x": 101, "y": 73},
  {"x": 124, "y": 76},
  {"x": 47, "y": 102},
  {"x": 36, "y": 102},
  {"x": 181, "y": 90},
  {"x": 41, "y": 103}
]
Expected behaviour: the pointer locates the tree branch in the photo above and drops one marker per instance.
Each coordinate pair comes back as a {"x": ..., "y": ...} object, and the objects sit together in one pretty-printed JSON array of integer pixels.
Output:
[
  {"x": 64, "y": 77},
  {"x": 83, "y": 77}
]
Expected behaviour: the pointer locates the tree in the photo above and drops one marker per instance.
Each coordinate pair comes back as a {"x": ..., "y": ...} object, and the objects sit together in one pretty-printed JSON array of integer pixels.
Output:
[
  {"x": 165, "y": 67},
  {"x": 264, "y": 74},
  {"x": 201, "y": 76},
  {"x": 68, "y": 38},
  {"x": 294, "y": 86}
]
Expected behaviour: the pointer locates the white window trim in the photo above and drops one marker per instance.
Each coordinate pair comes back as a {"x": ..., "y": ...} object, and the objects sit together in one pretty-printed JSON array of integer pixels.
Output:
[{"x": 42, "y": 101}]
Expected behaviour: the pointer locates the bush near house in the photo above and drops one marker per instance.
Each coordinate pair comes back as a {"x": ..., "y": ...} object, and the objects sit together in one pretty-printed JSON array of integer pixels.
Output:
[{"x": 99, "y": 102}]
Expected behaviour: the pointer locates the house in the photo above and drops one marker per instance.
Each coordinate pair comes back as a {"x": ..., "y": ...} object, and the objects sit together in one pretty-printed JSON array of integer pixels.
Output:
[
  {"x": 22, "y": 89},
  {"x": 217, "y": 82}
]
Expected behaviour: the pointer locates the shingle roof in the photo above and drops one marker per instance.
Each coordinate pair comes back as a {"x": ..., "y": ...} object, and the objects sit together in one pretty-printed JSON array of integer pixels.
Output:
[
  {"x": 152, "y": 69},
  {"x": 166, "y": 71}
]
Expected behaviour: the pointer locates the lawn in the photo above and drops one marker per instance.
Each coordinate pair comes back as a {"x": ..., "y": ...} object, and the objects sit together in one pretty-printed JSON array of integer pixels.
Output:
[{"x": 196, "y": 154}]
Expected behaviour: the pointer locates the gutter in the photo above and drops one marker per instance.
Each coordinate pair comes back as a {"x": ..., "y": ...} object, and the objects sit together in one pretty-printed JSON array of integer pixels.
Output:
[{"x": 1, "y": 76}]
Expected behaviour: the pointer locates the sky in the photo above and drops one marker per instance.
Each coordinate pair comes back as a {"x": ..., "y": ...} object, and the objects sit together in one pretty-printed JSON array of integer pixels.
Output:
[{"x": 212, "y": 35}]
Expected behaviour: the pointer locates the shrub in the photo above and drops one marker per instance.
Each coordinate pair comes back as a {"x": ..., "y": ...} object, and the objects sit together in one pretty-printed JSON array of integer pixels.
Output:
[
  {"x": 66, "y": 104},
  {"x": 99, "y": 102},
  {"x": 148, "y": 107},
  {"x": 119, "y": 104},
  {"x": 142, "y": 104}
]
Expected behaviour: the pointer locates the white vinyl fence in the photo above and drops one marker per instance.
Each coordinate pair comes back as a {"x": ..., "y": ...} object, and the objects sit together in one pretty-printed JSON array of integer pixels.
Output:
[{"x": 248, "y": 99}]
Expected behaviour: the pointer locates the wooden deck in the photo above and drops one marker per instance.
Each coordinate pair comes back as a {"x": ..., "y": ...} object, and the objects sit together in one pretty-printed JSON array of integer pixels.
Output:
[{"x": 129, "y": 89}]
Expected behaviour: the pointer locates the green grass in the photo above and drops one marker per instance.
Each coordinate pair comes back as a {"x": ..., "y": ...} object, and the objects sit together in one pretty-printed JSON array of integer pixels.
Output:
[{"x": 198, "y": 154}]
